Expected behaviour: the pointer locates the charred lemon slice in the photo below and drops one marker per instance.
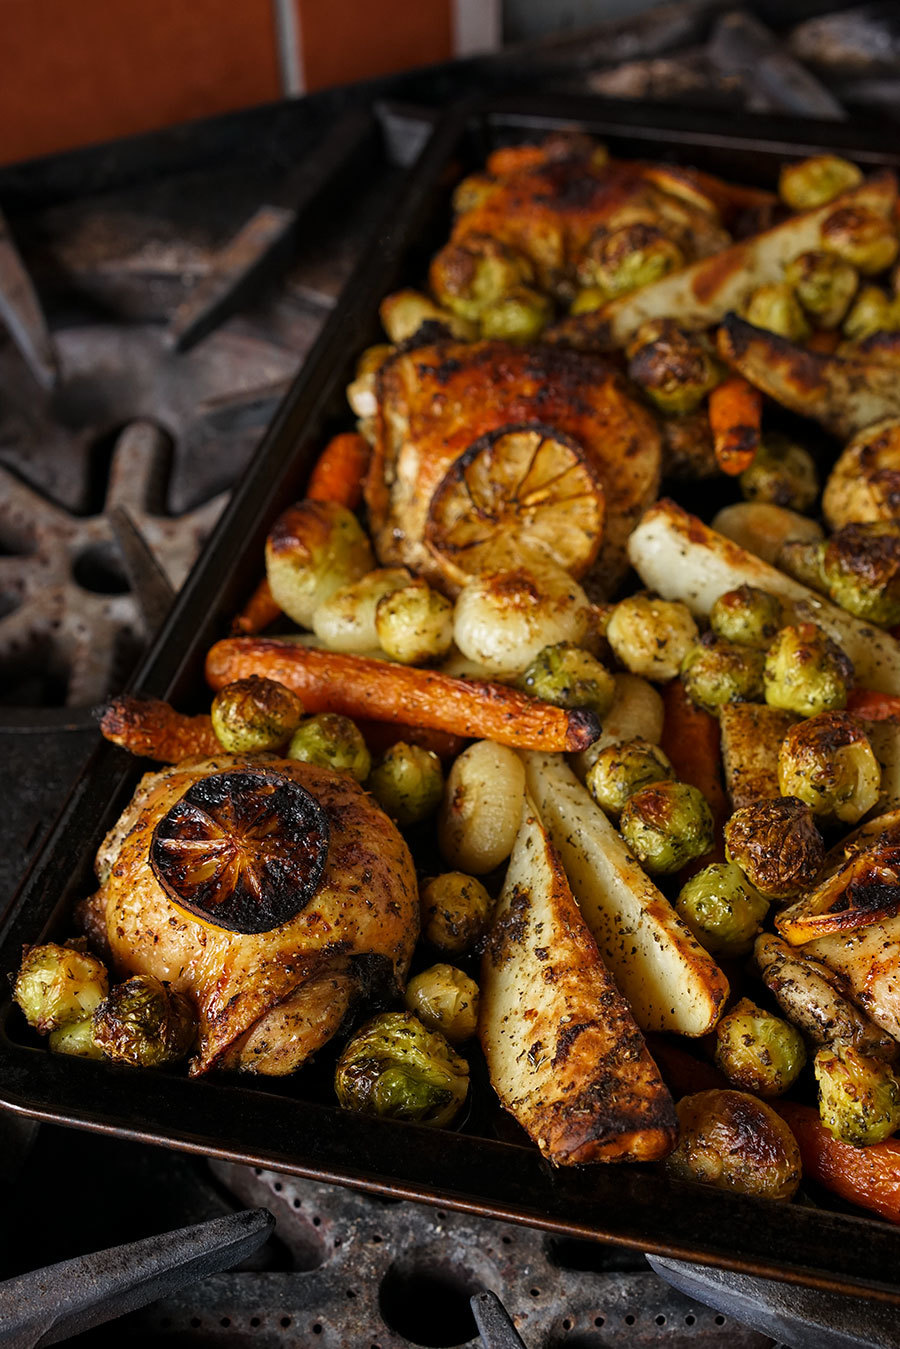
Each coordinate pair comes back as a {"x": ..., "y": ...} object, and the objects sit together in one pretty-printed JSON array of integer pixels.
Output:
[
  {"x": 515, "y": 492},
  {"x": 865, "y": 889},
  {"x": 242, "y": 850}
]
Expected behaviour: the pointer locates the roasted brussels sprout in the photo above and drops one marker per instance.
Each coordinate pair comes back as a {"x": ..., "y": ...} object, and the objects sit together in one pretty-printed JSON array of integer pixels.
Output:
[
  {"x": 676, "y": 369},
  {"x": 313, "y": 549},
  {"x": 57, "y": 985},
  {"x": 394, "y": 1068},
  {"x": 859, "y": 1097},
  {"x": 144, "y": 1023},
  {"x": 715, "y": 672},
  {"x": 651, "y": 636},
  {"x": 629, "y": 257},
  {"x": 666, "y": 825},
  {"x": 777, "y": 846},
  {"x": 519, "y": 316},
  {"x": 446, "y": 1000},
  {"x": 473, "y": 192},
  {"x": 455, "y": 912},
  {"x": 806, "y": 672},
  {"x": 861, "y": 568},
  {"x": 824, "y": 284},
  {"x": 736, "y": 1142},
  {"x": 469, "y": 276},
  {"x": 332, "y": 741},
  {"x": 747, "y": 616},
  {"x": 758, "y": 1051},
  {"x": 862, "y": 237},
  {"x": 722, "y": 909},
  {"x": 414, "y": 624},
  {"x": 871, "y": 312},
  {"x": 775, "y": 307},
  {"x": 813, "y": 182},
  {"x": 782, "y": 474},
  {"x": 76, "y": 1038},
  {"x": 346, "y": 621},
  {"x": 623, "y": 768},
  {"x": 255, "y": 714},
  {"x": 569, "y": 676},
  {"x": 827, "y": 762},
  {"x": 408, "y": 783}
]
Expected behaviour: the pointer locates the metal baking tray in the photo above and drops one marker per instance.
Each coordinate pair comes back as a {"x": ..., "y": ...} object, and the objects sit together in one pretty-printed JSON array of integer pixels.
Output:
[{"x": 292, "y": 1125}]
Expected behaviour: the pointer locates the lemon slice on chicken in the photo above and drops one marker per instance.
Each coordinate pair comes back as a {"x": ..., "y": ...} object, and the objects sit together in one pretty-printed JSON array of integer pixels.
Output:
[{"x": 517, "y": 492}]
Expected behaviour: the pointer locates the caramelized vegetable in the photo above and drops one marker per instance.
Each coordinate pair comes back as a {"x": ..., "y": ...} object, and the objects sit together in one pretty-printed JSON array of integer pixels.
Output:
[
  {"x": 144, "y": 1024},
  {"x": 568, "y": 676},
  {"x": 254, "y": 714},
  {"x": 357, "y": 687},
  {"x": 332, "y": 741},
  {"x": 781, "y": 473},
  {"x": 806, "y": 672},
  {"x": 747, "y": 616},
  {"x": 827, "y": 762},
  {"x": 716, "y": 672},
  {"x": 666, "y": 825},
  {"x": 735, "y": 416},
  {"x": 757, "y": 1051},
  {"x": 722, "y": 909},
  {"x": 339, "y": 471},
  {"x": 153, "y": 729},
  {"x": 776, "y": 845},
  {"x": 455, "y": 912},
  {"x": 446, "y": 1000},
  {"x": 59, "y": 985},
  {"x": 859, "y": 1097},
  {"x": 395, "y": 1068},
  {"x": 313, "y": 549},
  {"x": 622, "y": 768},
  {"x": 869, "y": 1177},
  {"x": 734, "y": 1141},
  {"x": 242, "y": 850}
]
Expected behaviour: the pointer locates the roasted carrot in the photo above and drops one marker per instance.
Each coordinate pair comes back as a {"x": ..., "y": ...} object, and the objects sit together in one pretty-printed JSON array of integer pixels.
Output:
[
  {"x": 690, "y": 737},
  {"x": 735, "y": 416},
  {"x": 154, "y": 730},
  {"x": 339, "y": 471},
  {"x": 259, "y": 611},
  {"x": 378, "y": 690},
  {"x": 869, "y": 1177},
  {"x": 825, "y": 341},
  {"x": 872, "y": 706},
  {"x": 381, "y": 735}
]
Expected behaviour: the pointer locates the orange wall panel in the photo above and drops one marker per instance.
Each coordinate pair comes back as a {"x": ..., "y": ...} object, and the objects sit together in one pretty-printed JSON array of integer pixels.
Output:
[
  {"x": 344, "y": 40},
  {"x": 80, "y": 71}
]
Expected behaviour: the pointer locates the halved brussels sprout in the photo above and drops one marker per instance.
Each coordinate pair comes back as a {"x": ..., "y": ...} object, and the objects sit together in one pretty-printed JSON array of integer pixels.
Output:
[
  {"x": 861, "y": 568},
  {"x": 395, "y": 1068},
  {"x": 455, "y": 910},
  {"x": 676, "y": 369},
  {"x": 76, "y": 1039},
  {"x": 255, "y": 714},
  {"x": 736, "y": 1142},
  {"x": 666, "y": 825},
  {"x": 775, "y": 307},
  {"x": 747, "y": 616},
  {"x": 859, "y": 1097},
  {"x": 414, "y": 624},
  {"x": 757, "y": 1051},
  {"x": 716, "y": 672},
  {"x": 827, "y": 762},
  {"x": 631, "y": 256},
  {"x": 519, "y": 316},
  {"x": 143, "y": 1023},
  {"x": 864, "y": 238},
  {"x": 813, "y": 182},
  {"x": 469, "y": 276},
  {"x": 806, "y": 672},
  {"x": 58, "y": 985},
  {"x": 332, "y": 741},
  {"x": 782, "y": 474},
  {"x": 824, "y": 284},
  {"x": 777, "y": 846},
  {"x": 446, "y": 1000},
  {"x": 722, "y": 909},
  {"x": 871, "y": 312},
  {"x": 569, "y": 676},
  {"x": 623, "y": 768},
  {"x": 408, "y": 783}
]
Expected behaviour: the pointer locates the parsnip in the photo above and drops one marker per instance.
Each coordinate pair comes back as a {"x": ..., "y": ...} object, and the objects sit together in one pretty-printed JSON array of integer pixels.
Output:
[
  {"x": 563, "y": 1051},
  {"x": 670, "y": 982},
  {"x": 637, "y": 710},
  {"x": 681, "y": 558},
  {"x": 751, "y": 738}
]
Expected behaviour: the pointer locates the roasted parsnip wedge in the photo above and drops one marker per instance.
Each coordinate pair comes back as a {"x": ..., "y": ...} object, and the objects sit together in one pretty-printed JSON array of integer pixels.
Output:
[
  {"x": 751, "y": 737},
  {"x": 844, "y": 393},
  {"x": 670, "y": 982},
  {"x": 681, "y": 558},
  {"x": 702, "y": 294},
  {"x": 562, "y": 1048}
]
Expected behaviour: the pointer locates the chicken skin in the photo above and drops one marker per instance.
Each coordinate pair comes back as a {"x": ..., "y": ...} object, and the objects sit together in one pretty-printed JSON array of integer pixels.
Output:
[{"x": 267, "y": 1000}]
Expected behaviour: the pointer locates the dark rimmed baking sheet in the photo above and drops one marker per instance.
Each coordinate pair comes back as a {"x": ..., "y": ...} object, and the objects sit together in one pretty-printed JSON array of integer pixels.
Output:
[{"x": 289, "y": 1125}]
